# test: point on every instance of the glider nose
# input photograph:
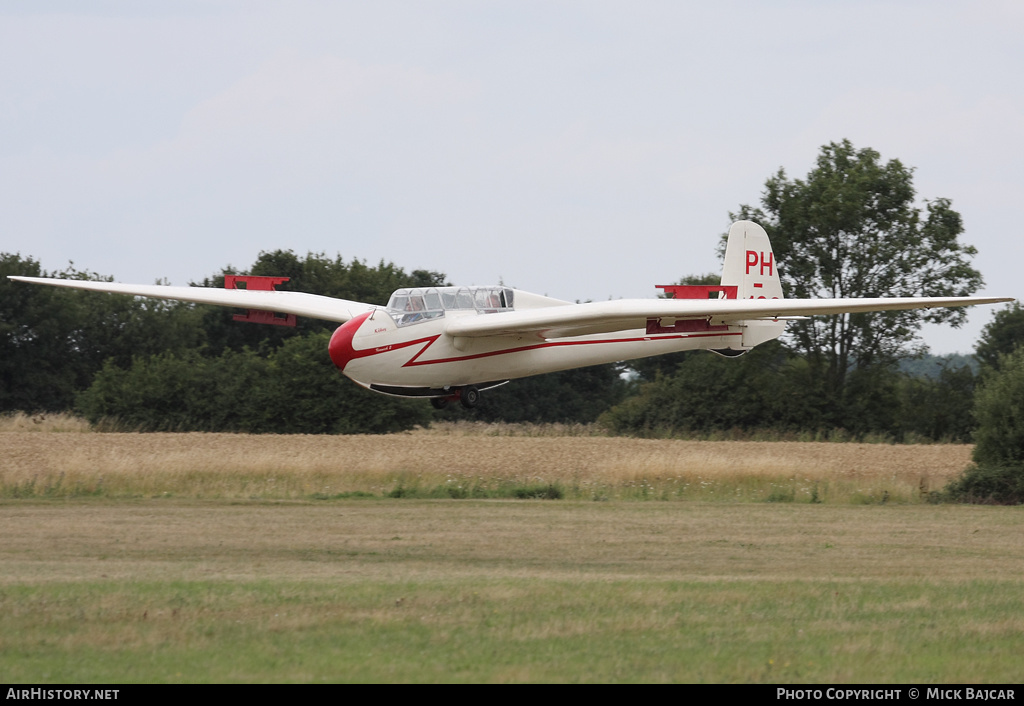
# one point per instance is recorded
(340, 347)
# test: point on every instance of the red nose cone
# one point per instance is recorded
(341, 348)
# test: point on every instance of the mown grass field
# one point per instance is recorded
(251, 569)
(504, 590)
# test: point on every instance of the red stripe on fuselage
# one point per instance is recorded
(340, 348)
(549, 344)
(342, 351)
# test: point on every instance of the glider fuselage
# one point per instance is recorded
(421, 359)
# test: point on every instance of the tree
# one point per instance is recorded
(851, 229)
(293, 390)
(763, 390)
(578, 396)
(938, 407)
(52, 341)
(997, 475)
(999, 408)
(1001, 336)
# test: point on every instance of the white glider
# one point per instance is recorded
(449, 343)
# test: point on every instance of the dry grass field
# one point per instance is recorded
(406, 558)
(464, 461)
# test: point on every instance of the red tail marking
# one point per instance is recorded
(751, 260)
(754, 257)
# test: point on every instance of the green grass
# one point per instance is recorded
(511, 630)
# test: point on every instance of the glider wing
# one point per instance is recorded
(298, 303)
(627, 314)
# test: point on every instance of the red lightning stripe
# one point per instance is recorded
(521, 349)
(342, 351)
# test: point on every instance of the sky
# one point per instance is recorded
(583, 150)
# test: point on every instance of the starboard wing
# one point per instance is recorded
(629, 314)
(298, 303)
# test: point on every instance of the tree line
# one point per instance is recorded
(155, 365)
(849, 229)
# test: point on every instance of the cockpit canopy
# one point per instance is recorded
(409, 306)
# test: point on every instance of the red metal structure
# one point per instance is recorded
(257, 283)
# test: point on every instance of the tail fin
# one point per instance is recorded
(750, 266)
(750, 263)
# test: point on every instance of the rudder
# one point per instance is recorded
(750, 263)
(750, 266)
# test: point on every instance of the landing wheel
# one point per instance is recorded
(469, 396)
(439, 402)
